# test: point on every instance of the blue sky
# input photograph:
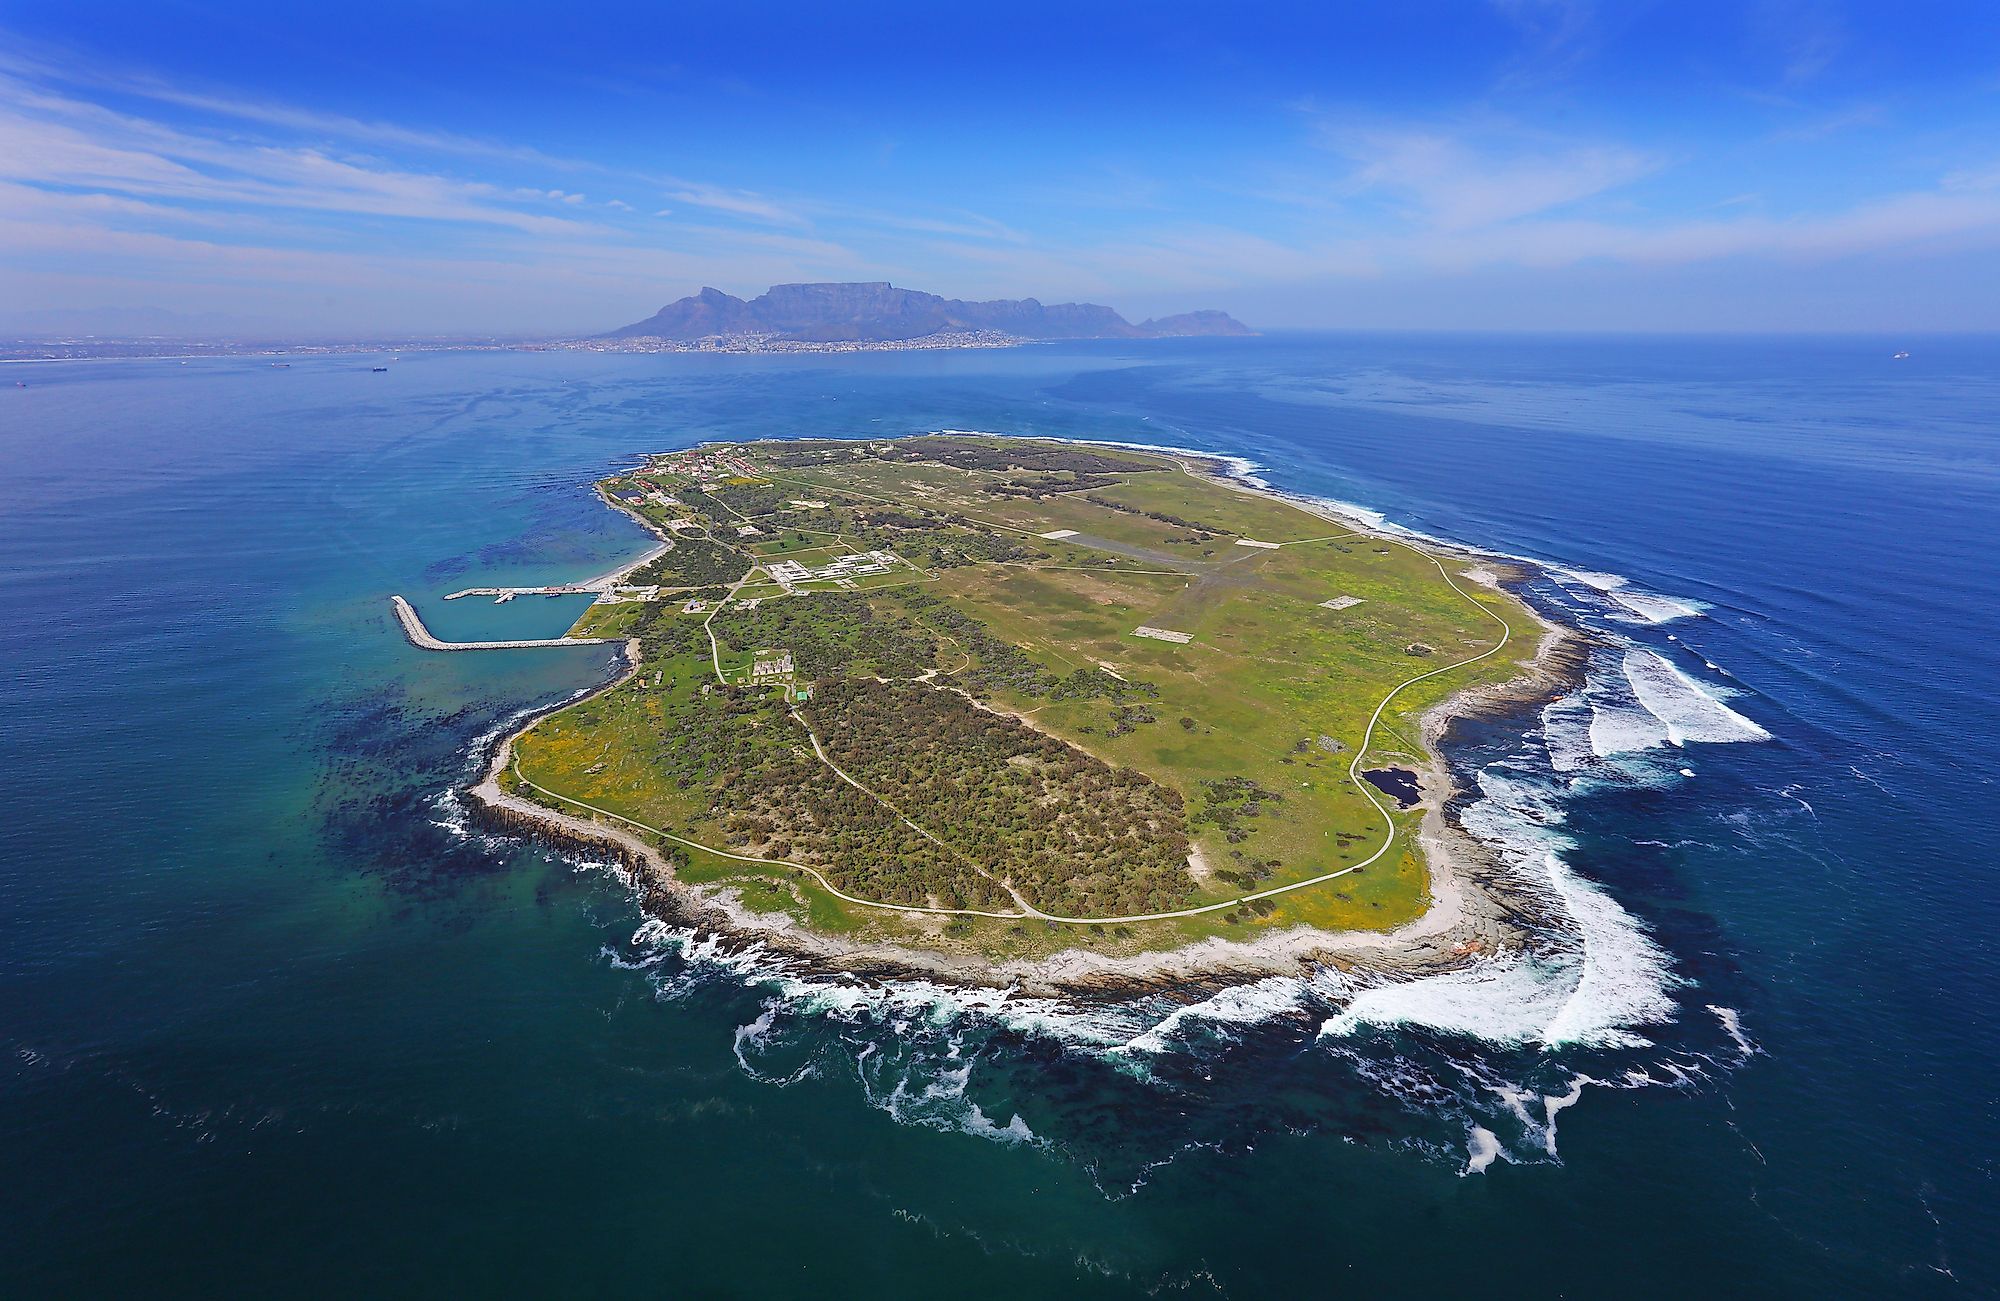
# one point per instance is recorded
(1510, 165)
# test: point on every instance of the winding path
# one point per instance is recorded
(1027, 909)
(1353, 774)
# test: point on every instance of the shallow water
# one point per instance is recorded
(273, 1018)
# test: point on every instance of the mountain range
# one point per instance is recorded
(877, 311)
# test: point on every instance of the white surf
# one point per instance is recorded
(1683, 707)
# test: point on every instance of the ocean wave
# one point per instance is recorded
(1636, 604)
(1617, 727)
(1625, 975)
(909, 1004)
(1732, 1025)
(1633, 711)
(1555, 1102)
(1593, 975)
(1253, 1004)
(1590, 991)
(1482, 1148)
(1566, 732)
(1682, 705)
(938, 1100)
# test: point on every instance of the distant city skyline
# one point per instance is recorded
(516, 170)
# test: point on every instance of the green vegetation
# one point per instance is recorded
(1073, 834)
(693, 562)
(980, 726)
(833, 636)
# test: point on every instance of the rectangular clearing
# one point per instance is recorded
(1163, 634)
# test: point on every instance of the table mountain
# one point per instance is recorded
(877, 311)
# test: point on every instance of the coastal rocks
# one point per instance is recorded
(571, 834)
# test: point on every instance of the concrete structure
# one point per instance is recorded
(790, 573)
(620, 595)
(420, 636)
(778, 665)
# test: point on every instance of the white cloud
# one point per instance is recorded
(1973, 178)
(1461, 180)
(735, 202)
(46, 140)
(73, 70)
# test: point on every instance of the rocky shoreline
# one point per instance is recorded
(1476, 909)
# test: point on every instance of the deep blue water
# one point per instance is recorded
(272, 1019)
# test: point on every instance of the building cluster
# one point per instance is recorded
(755, 343)
(707, 465)
(621, 593)
(789, 574)
(770, 666)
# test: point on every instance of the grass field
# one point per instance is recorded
(1253, 721)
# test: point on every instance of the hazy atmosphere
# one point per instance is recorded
(373, 169)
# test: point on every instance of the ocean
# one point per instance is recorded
(276, 1017)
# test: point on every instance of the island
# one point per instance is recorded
(1032, 713)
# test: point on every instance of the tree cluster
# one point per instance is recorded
(1072, 833)
(1228, 802)
(1202, 531)
(831, 635)
(1048, 485)
(693, 562)
(967, 454)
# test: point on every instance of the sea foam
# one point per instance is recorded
(1635, 604)
(1482, 1149)
(1688, 712)
(1587, 981)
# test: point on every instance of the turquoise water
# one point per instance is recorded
(275, 1019)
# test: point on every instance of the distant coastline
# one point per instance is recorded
(834, 317)
(20, 351)
(764, 343)
(91, 348)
